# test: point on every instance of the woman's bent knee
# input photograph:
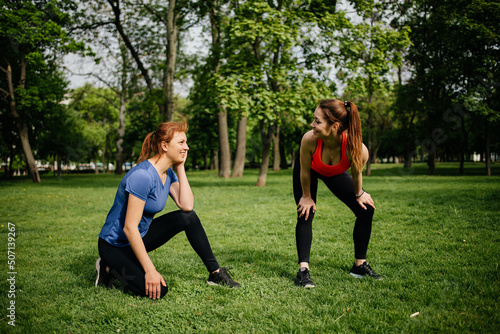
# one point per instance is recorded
(190, 217)
(365, 213)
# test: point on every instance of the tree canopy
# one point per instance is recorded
(424, 75)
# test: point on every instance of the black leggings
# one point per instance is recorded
(341, 186)
(126, 267)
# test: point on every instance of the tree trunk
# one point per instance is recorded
(293, 159)
(266, 152)
(463, 150)
(96, 170)
(11, 160)
(214, 164)
(115, 6)
(105, 157)
(431, 162)
(408, 157)
(283, 159)
(239, 159)
(206, 161)
(121, 112)
(121, 133)
(58, 160)
(487, 149)
(374, 155)
(225, 154)
(168, 83)
(461, 170)
(22, 127)
(276, 149)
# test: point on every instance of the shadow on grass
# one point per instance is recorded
(263, 263)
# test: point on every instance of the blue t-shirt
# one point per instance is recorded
(143, 182)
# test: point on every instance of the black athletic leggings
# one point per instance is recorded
(341, 186)
(126, 267)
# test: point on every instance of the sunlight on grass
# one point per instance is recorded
(435, 240)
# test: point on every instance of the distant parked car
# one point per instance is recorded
(128, 165)
(111, 167)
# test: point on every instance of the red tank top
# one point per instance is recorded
(327, 170)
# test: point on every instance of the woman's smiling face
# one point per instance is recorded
(178, 148)
(320, 125)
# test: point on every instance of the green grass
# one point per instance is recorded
(436, 240)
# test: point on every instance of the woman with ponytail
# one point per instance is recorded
(327, 151)
(130, 231)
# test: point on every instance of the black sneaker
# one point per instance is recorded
(222, 278)
(363, 270)
(103, 278)
(304, 278)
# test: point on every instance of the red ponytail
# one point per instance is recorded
(146, 147)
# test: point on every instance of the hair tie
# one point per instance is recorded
(345, 104)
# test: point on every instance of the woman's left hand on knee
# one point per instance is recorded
(365, 200)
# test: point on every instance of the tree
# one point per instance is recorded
(454, 53)
(407, 108)
(215, 62)
(116, 73)
(150, 30)
(123, 96)
(271, 36)
(368, 51)
(480, 50)
(62, 136)
(32, 36)
(99, 109)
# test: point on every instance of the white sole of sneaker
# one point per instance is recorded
(356, 275)
(212, 283)
(97, 269)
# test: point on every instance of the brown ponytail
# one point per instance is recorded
(346, 113)
(164, 132)
(354, 136)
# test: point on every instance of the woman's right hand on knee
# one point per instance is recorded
(154, 281)
(305, 205)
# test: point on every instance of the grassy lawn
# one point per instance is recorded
(436, 240)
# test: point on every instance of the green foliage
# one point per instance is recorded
(97, 111)
(370, 49)
(33, 38)
(142, 118)
(261, 73)
(453, 47)
(274, 61)
(436, 250)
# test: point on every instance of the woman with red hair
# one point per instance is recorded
(131, 231)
